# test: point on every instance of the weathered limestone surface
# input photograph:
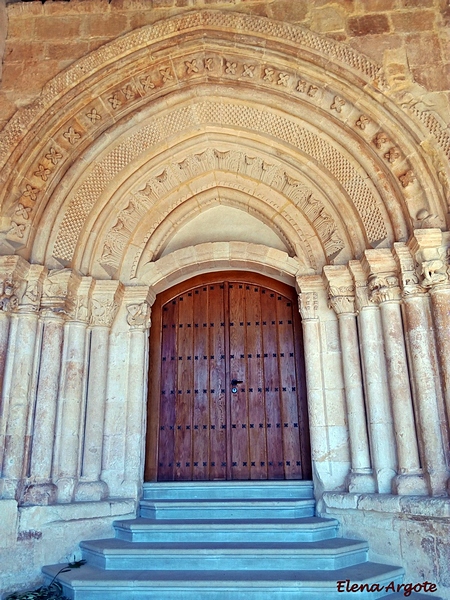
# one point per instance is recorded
(395, 525)
(34, 535)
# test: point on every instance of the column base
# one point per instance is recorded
(66, 487)
(361, 482)
(8, 488)
(410, 484)
(89, 491)
(385, 478)
(40, 494)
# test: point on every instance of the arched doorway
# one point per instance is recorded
(227, 397)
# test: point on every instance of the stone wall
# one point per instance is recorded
(409, 36)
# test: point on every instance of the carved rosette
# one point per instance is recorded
(308, 303)
(139, 316)
(342, 299)
(383, 288)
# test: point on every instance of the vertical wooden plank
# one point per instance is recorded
(288, 389)
(201, 422)
(272, 386)
(255, 384)
(302, 399)
(169, 382)
(240, 451)
(185, 391)
(154, 394)
(217, 392)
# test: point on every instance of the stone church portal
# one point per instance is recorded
(150, 151)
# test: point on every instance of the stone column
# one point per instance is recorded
(18, 389)
(431, 252)
(8, 302)
(72, 390)
(40, 488)
(315, 382)
(381, 431)
(385, 292)
(138, 320)
(440, 306)
(422, 352)
(341, 293)
(105, 301)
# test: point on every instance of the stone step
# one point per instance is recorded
(335, 553)
(227, 509)
(223, 490)
(307, 529)
(90, 583)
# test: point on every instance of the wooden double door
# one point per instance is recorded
(227, 397)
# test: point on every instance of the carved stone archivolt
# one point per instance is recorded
(137, 85)
(215, 160)
(333, 163)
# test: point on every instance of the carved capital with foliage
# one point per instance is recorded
(104, 303)
(383, 288)
(139, 315)
(431, 257)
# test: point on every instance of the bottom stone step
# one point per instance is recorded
(89, 583)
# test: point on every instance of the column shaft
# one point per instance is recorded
(17, 398)
(136, 414)
(440, 302)
(4, 337)
(71, 397)
(377, 394)
(41, 490)
(429, 427)
(90, 487)
(409, 479)
(361, 478)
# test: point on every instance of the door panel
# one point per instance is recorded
(206, 336)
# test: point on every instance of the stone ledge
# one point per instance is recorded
(418, 506)
(36, 517)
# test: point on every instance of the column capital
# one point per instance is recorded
(104, 302)
(78, 292)
(13, 270)
(430, 253)
(308, 298)
(382, 275)
(341, 289)
(55, 291)
(30, 300)
(409, 279)
(139, 300)
(359, 276)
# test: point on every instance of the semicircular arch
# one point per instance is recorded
(328, 117)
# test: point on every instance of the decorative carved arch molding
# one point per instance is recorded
(203, 258)
(320, 104)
